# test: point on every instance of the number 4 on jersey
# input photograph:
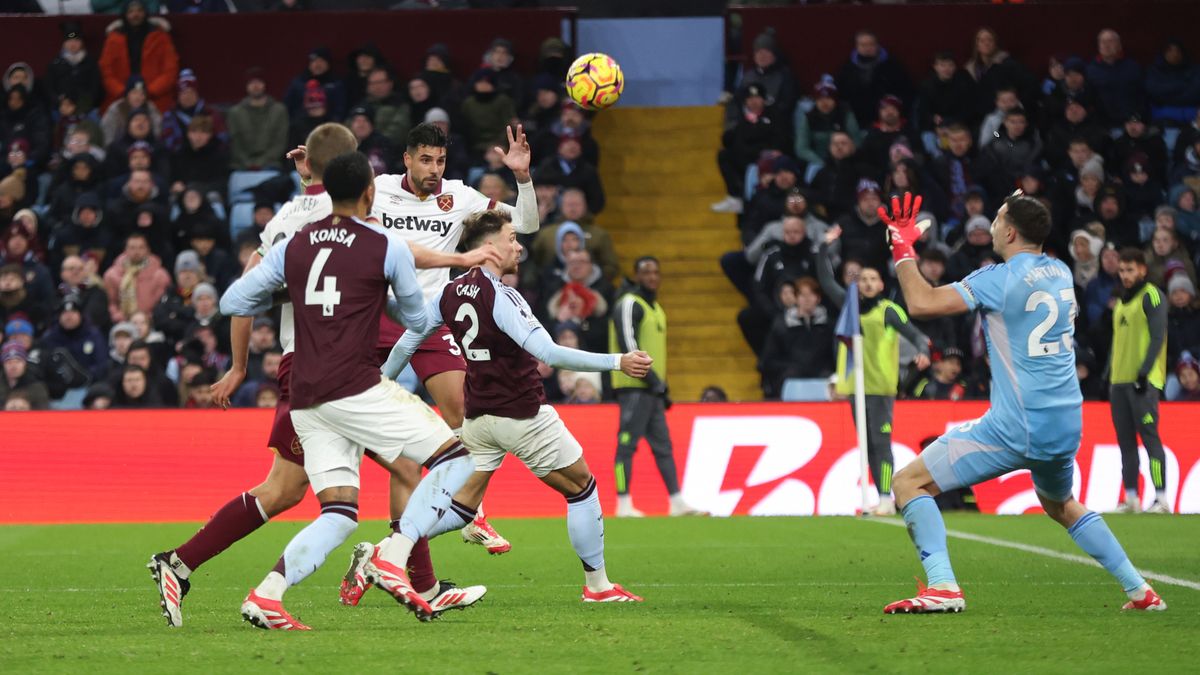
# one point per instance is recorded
(328, 296)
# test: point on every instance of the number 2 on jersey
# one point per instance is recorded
(1036, 347)
(328, 296)
(467, 311)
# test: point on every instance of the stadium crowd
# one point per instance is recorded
(131, 202)
(1111, 146)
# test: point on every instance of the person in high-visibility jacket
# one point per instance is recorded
(1137, 373)
(882, 322)
(638, 321)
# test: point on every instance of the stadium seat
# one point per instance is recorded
(1170, 137)
(751, 181)
(242, 182)
(812, 389)
(241, 218)
(811, 172)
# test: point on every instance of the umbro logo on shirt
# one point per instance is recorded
(415, 223)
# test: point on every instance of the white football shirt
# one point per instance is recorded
(310, 206)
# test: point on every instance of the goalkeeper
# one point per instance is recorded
(882, 322)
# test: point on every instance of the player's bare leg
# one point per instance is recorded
(1091, 533)
(283, 488)
(915, 489)
(447, 388)
(304, 554)
(449, 468)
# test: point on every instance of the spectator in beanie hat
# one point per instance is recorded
(188, 105)
(869, 74)
(133, 99)
(758, 132)
(20, 330)
(862, 235)
(18, 377)
(315, 112)
(1183, 318)
(1188, 372)
(889, 128)
(75, 71)
(768, 67)
(76, 335)
(814, 127)
(975, 247)
(320, 71)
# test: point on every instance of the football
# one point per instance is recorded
(594, 81)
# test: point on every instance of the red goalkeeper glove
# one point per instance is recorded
(903, 230)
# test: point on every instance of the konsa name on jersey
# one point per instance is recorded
(416, 223)
(339, 236)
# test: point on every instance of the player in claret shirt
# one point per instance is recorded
(506, 408)
(1036, 417)
(338, 273)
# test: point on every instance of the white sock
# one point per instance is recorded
(1138, 594)
(456, 518)
(307, 551)
(1131, 495)
(585, 527)
(180, 568)
(625, 501)
(396, 549)
(431, 593)
(272, 587)
(431, 500)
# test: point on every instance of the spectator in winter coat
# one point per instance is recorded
(739, 266)
(136, 280)
(814, 128)
(889, 129)
(1183, 319)
(570, 121)
(906, 175)
(869, 75)
(989, 129)
(23, 119)
(573, 209)
(359, 65)
(18, 248)
(1166, 258)
(579, 294)
(993, 69)
(1110, 211)
(74, 334)
(137, 45)
(942, 382)
(378, 149)
(1141, 192)
(863, 236)
(1173, 83)
(135, 392)
(93, 301)
(1015, 149)
(955, 171)
(972, 251)
(319, 68)
(138, 130)
(1085, 251)
(202, 163)
(1187, 211)
(1074, 85)
(220, 266)
(258, 128)
(84, 233)
(758, 131)
(393, 116)
(19, 379)
(188, 106)
(570, 170)
(486, 113)
(1077, 122)
(767, 68)
(768, 201)
(835, 186)
(81, 174)
(500, 58)
(1100, 295)
(782, 261)
(1188, 372)
(946, 95)
(75, 72)
(458, 156)
(800, 341)
(1140, 138)
(315, 113)
(1187, 167)
(1117, 78)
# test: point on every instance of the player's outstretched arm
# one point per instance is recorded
(428, 258)
(239, 341)
(254, 292)
(923, 300)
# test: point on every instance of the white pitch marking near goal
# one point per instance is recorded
(1049, 553)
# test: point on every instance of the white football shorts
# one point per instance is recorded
(543, 443)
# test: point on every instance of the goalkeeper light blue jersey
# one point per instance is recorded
(1028, 306)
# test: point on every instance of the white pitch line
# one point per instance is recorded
(1049, 553)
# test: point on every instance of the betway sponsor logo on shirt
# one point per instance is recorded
(416, 223)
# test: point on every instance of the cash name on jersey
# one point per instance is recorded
(441, 227)
(468, 289)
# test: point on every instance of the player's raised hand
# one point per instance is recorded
(636, 364)
(903, 230)
(299, 155)
(226, 387)
(518, 156)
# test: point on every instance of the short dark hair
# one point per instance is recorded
(138, 344)
(137, 235)
(1130, 254)
(348, 176)
(956, 128)
(480, 226)
(1018, 111)
(1029, 217)
(426, 134)
(646, 258)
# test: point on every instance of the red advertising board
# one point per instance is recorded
(759, 459)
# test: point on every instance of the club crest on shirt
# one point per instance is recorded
(445, 202)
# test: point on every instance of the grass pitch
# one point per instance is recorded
(722, 595)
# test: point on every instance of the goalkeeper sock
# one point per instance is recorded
(928, 532)
(1094, 537)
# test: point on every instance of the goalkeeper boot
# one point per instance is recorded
(451, 596)
(614, 594)
(268, 614)
(480, 531)
(929, 600)
(1150, 602)
(355, 583)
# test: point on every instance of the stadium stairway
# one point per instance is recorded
(660, 174)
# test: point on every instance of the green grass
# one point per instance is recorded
(723, 595)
